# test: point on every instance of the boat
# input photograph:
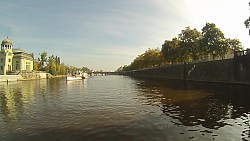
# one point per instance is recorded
(77, 76)
(74, 78)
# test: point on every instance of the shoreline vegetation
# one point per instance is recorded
(191, 46)
(56, 76)
(53, 65)
(49, 77)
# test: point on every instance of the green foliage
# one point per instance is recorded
(150, 58)
(85, 69)
(36, 65)
(171, 50)
(72, 69)
(53, 65)
(63, 69)
(234, 44)
(190, 46)
(42, 60)
(212, 41)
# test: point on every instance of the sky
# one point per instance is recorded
(107, 34)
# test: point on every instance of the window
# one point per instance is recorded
(1, 67)
(17, 65)
(1, 60)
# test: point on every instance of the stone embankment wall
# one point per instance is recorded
(6, 78)
(30, 75)
(236, 70)
(25, 76)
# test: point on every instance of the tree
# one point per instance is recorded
(170, 50)
(36, 65)
(85, 69)
(52, 66)
(122, 68)
(63, 69)
(58, 64)
(212, 41)
(189, 44)
(72, 69)
(230, 45)
(150, 58)
(234, 44)
(42, 60)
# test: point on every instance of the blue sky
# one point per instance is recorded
(107, 34)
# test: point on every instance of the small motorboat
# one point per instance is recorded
(77, 76)
(68, 78)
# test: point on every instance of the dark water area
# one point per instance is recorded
(121, 108)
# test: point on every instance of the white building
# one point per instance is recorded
(14, 60)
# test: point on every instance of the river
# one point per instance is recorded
(121, 108)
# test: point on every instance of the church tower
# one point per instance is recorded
(7, 56)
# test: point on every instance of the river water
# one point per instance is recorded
(121, 108)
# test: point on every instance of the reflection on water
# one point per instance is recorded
(212, 106)
(15, 99)
(123, 108)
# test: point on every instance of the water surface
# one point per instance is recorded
(121, 108)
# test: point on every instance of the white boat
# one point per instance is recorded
(68, 78)
(77, 76)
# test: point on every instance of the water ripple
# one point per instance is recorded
(122, 108)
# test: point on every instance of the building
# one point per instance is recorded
(14, 60)
(228, 55)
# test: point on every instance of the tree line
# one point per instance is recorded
(191, 45)
(53, 65)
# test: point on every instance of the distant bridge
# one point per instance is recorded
(105, 73)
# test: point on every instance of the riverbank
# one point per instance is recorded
(231, 71)
(7, 78)
(28, 76)
(49, 76)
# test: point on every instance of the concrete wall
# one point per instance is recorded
(24, 76)
(10, 77)
(242, 68)
(235, 70)
(43, 75)
(172, 72)
(34, 75)
(220, 70)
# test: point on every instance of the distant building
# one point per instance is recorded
(14, 60)
(228, 55)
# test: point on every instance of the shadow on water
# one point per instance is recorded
(199, 103)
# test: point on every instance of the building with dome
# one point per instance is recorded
(14, 60)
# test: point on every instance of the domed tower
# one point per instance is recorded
(6, 56)
(6, 45)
